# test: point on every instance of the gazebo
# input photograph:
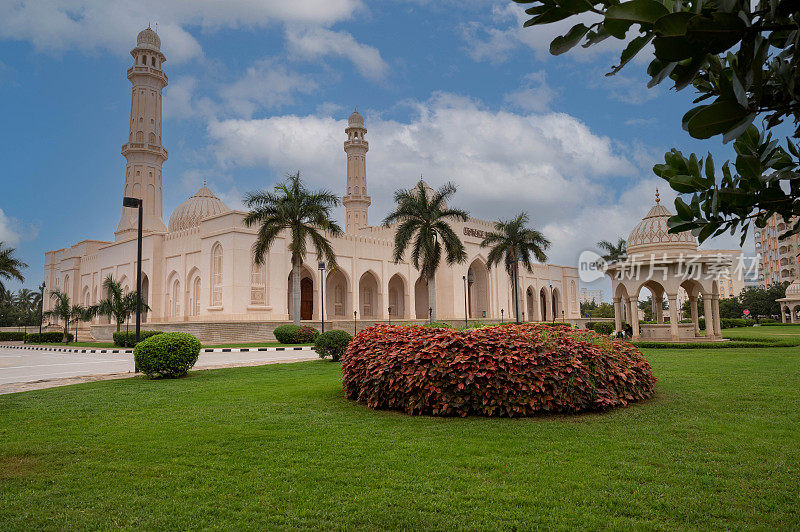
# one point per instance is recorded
(663, 263)
(791, 303)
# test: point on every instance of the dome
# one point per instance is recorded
(793, 290)
(147, 38)
(356, 119)
(652, 234)
(193, 210)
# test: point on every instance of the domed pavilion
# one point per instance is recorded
(791, 303)
(663, 263)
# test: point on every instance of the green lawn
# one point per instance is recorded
(777, 332)
(277, 446)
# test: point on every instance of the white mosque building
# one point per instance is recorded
(198, 274)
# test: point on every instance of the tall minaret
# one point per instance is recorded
(144, 151)
(356, 201)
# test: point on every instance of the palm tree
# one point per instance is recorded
(513, 242)
(113, 305)
(61, 310)
(129, 304)
(10, 267)
(80, 313)
(613, 252)
(26, 301)
(304, 214)
(425, 220)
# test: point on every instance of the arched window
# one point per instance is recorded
(196, 297)
(152, 138)
(216, 275)
(140, 136)
(153, 60)
(258, 282)
(176, 299)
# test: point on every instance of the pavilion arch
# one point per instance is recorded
(194, 287)
(306, 293)
(398, 296)
(369, 296)
(338, 295)
(556, 308)
(421, 301)
(657, 292)
(544, 305)
(478, 289)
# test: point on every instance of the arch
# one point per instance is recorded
(306, 294)
(258, 283)
(152, 138)
(478, 289)
(66, 285)
(216, 275)
(543, 304)
(140, 136)
(657, 292)
(530, 303)
(338, 297)
(369, 296)
(193, 285)
(421, 301)
(556, 308)
(397, 296)
(85, 295)
(172, 304)
(145, 295)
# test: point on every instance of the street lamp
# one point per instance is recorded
(137, 204)
(321, 265)
(390, 315)
(466, 323)
(355, 323)
(41, 310)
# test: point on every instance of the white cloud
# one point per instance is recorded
(316, 42)
(13, 231)
(266, 85)
(550, 164)
(535, 96)
(61, 25)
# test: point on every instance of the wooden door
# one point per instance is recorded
(306, 299)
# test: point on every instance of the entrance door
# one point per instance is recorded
(306, 299)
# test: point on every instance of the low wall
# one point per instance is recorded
(238, 332)
(662, 331)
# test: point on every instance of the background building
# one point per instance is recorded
(778, 257)
(588, 295)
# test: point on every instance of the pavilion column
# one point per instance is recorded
(617, 314)
(709, 317)
(783, 314)
(791, 314)
(633, 316)
(717, 324)
(658, 308)
(695, 319)
(673, 316)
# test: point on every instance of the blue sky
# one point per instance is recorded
(450, 90)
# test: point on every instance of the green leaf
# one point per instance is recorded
(554, 14)
(616, 28)
(658, 70)
(673, 48)
(565, 43)
(719, 117)
(575, 6)
(630, 52)
(673, 24)
(710, 168)
(715, 33)
(637, 11)
(749, 166)
(739, 128)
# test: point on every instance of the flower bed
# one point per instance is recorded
(508, 370)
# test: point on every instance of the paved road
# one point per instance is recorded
(20, 366)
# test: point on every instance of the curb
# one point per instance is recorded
(76, 350)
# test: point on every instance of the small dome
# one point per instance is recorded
(148, 39)
(652, 234)
(193, 210)
(793, 290)
(356, 119)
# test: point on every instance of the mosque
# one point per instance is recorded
(198, 274)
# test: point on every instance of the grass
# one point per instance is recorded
(278, 446)
(780, 332)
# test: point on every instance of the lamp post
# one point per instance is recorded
(355, 324)
(430, 314)
(321, 265)
(41, 309)
(390, 315)
(137, 203)
(466, 323)
(502, 311)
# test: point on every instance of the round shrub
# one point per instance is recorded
(168, 355)
(295, 334)
(332, 344)
(600, 327)
(508, 370)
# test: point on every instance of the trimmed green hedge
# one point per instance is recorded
(12, 336)
(750, 343)
(47, 338)
(128, 339)
(601, 327)
(295, 334)
(167, 355)
(332, 344)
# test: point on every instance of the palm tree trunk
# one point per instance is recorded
(432, 296)
(66, 331)
(296, 291)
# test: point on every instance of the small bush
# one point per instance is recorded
(167, 355)
(12, 336)
(600, 327)
(332, 344)
(128, 339)
(437, 325)
(769, 321)
(47, 338)
(295, 334)
(508, 370)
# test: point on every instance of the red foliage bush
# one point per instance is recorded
(509, 370)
